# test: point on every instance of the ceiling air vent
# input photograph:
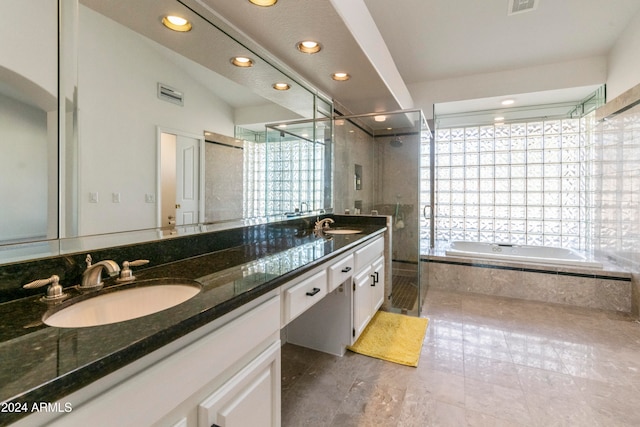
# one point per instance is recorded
(521, 6)
(169, 94)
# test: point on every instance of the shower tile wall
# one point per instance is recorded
(352, 146)
(614, 190)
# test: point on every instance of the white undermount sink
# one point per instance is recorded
(124, 304)
(342, 231)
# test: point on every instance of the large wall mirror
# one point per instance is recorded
(29, 121)
(128, 82)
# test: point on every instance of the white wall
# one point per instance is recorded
(28, 119)
(584, 72)
(620, 70)
(29, 41)
(118, 114)
(624, 60)
(23, 187)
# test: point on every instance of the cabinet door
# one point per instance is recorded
(378, 285)
(250, 398)
(362, 291)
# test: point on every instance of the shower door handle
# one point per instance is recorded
(424, 212)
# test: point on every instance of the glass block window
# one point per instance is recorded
(280, 176)
(516, 183)
(255, 179)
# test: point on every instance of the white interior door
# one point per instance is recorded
(180, 180)
(187, 180)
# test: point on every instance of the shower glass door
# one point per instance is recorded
(377, 169)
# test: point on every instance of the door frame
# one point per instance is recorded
(201, 170)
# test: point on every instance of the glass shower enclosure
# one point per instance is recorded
(377, 171)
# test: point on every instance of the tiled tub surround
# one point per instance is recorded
(608, 288)
(44, 364)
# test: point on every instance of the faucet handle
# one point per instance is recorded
(136, 263)
(126, 275)
(54, 291)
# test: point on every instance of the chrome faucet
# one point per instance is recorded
(92, 276)
(322, 224)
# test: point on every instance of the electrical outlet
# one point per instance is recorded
(93, 197)
(149, 198)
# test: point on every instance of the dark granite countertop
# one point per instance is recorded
(43, 364)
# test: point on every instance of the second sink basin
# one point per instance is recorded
(342, 231)
(124, 304)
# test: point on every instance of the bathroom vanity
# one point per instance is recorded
(212, 360)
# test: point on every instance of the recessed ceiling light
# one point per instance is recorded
(340, 76)
(309, 46)
(242, 61)
(498, 119)
(508, 102)
(379, 118)
(282, 126)
(264, 3)
(281, 86)
(176, 23)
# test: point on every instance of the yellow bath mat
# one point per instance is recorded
(392, 337)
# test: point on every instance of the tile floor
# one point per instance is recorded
(486, 361)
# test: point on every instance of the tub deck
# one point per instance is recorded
(606, 287)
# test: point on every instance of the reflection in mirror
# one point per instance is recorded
(122, 59)
(28, 123)
(181, 195)
(288, 168)
(224, 180)
(114, 55)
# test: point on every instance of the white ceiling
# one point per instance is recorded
(427, 40)
(437, 39)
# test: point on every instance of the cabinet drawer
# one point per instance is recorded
(366, 255)
(300, 297)
(339, 272)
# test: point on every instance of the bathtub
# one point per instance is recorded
(521, 253)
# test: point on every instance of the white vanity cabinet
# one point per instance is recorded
(340, 271)
(368, 285)
(227, 373)
(336, 321)
(299, 297)
(326, 324)
(229, 376)
(378, 283)
(250, 398)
